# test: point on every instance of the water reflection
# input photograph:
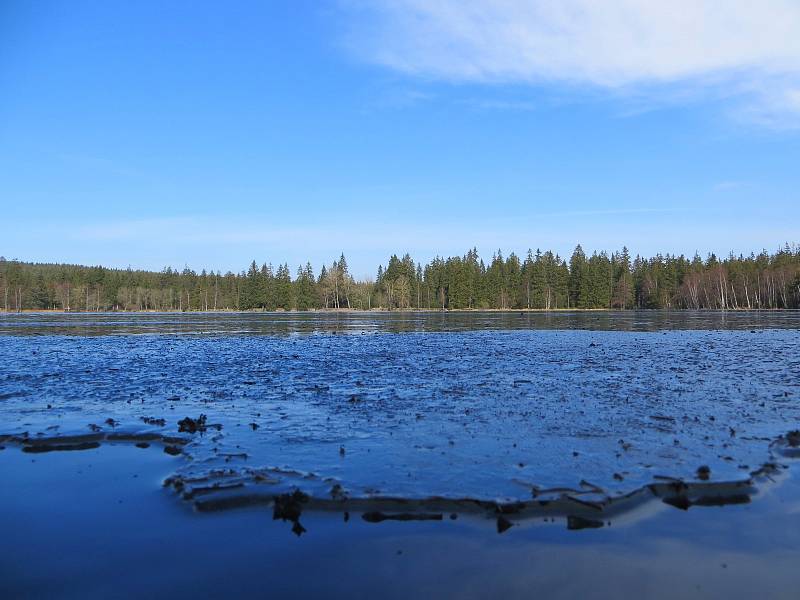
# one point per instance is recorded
(282, 323)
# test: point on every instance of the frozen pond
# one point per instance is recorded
(487, 406)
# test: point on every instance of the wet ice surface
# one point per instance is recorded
(486, 406)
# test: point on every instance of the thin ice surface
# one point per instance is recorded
(482, 413)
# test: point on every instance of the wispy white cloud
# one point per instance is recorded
(505, 105)
(741, 50)
(226, 242)
(231, 231)
(208, 230)
(99, 164)
(724, 186)
(394, 97)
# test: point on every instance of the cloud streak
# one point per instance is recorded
(223, 243)
(740, 49)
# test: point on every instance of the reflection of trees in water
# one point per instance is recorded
(398, 321)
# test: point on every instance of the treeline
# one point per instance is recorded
(540, 280)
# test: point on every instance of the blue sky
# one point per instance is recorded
(209, 134)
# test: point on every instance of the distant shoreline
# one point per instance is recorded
(386, 311)
(537, 282)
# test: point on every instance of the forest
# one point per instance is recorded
(540, 280)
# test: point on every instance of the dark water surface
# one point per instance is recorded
(392, 322)
(96, 524)
(565, 416)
